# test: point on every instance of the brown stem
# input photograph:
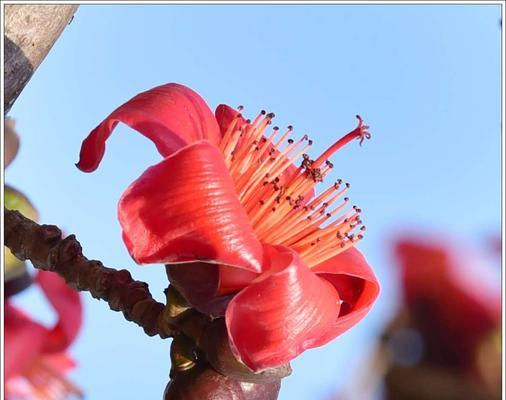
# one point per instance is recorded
(45, 248)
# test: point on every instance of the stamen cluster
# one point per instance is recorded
(275, 193)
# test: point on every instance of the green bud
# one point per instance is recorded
(15, 200)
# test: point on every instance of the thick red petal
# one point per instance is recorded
(186, 209)
(171, 115)
(67, 304)
(282, 313)
(24, 339)
(234, 279)
(356, 284)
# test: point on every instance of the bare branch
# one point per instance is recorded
(45, 248)
(30, 32)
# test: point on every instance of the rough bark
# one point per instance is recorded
(30, 32)
(45, 248)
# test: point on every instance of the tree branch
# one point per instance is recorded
(30, 32)
(44, 247)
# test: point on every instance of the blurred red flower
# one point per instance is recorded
(449, 300)
(35, 358)
(238, 224)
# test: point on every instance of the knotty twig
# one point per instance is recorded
(44, 247)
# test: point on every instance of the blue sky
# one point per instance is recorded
(425, 78)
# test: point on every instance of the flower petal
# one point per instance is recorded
(171, 115)
(60, 362)
(234, 279)
(67, 304)
(440, 271)
(224, 115)
(282, 313)
(449, 298)
(356, 284)
(186, 209)
(24, 339)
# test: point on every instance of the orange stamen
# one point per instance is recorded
(275, 199)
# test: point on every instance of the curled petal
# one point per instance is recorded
(24, 339)
(67, 304)
(171, 115)
(356, 284)
(185, 209)
(280, 314)
(234, 279)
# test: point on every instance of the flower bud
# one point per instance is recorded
(15, 200)
(204, 383)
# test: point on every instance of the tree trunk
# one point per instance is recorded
(30, 32)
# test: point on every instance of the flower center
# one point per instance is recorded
(275, 193)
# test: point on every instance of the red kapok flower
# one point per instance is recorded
(227, 193)
(35, 359)
(449, 301)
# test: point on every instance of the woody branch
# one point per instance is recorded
(44, 246)
(30, 32)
